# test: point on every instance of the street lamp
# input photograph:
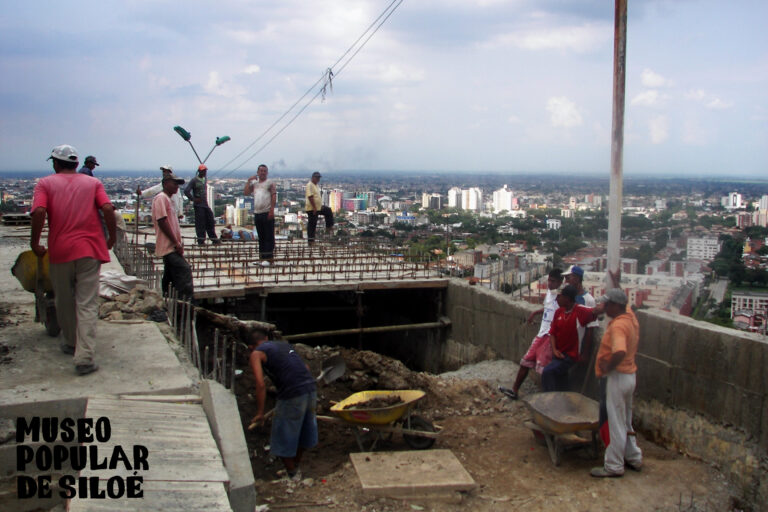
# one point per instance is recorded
(184, 134)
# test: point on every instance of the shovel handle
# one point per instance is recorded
(254, 424)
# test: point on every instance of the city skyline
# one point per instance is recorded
(485, 86)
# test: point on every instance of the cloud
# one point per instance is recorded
(252, 69)
(653, 80)
(648, 98)
(580, 39)
(218, 87)
(694, 133)
(563, 112)
(709, 101)
(658, 129)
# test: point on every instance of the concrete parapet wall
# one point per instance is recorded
(701, 388)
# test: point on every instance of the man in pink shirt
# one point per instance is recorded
(168, 243)
(71, 201)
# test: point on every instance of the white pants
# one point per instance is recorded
(76, 289)
(623, 444)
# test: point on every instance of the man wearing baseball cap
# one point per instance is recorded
(615, 367)
(71, 202)
(575, 276)
(197, 192)
(176, 199)
(314, 208)
(89, 165)
(168, 242)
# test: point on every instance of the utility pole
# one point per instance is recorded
(617, 138)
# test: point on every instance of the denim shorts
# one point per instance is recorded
(294, 425)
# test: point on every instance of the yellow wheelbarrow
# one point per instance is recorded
(417, 432)
(32, 273)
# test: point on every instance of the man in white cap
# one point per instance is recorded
(71, 201)
(615, 367)
(176, 199)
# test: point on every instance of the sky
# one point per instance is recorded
(517, 86)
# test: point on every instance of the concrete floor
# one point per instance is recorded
(133, 358)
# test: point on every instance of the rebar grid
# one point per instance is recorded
(237, 263)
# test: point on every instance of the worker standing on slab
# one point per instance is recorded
(71, 201)
(264, 193)
(294, 426)
(314, 207)
(88, 166)
(616, 369)
(197, 192)
(168, 242)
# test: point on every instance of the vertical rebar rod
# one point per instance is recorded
(215, 354)
(232, 363)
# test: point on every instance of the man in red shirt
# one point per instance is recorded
(71, 201)
(564, 338)
(168, 243)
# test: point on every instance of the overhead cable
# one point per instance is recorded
(325, 78)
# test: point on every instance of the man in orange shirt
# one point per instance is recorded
(616, 369)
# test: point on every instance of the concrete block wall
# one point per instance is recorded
(701, 388)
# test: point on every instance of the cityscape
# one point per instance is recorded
(697, 248)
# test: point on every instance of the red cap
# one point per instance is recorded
(202, 168)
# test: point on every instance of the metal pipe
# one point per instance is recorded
(368, 330)
(617, 138)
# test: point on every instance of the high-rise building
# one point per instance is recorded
(454, 197)
(472, 199)
(732, 201)
(703, 248)
(763, 203)
(503, 200)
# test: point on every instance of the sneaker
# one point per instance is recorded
(509, 392)
(634, 467)
(600, 472)
(67, 349)
(265, 263)
(295, 476)
(85, 369)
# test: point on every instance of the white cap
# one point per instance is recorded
(166, 168)
(64, 152)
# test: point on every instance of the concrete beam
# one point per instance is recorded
(224, 418)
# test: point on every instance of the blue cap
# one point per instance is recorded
(575, 269)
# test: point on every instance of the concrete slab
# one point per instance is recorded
(133, 358)
(411, 473)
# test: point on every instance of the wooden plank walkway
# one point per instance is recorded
(186, 471)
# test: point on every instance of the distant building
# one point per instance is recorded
(503, 200)
(703, 248)
(553, 224)
(732, 201)
(454, 197)
(744, 220)
(763, 203)
(431, 201)
(661, 204)
(566, 214)
(750, 309)
(472, 199)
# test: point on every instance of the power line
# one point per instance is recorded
(326, 78)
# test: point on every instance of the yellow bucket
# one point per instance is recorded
(25, 270)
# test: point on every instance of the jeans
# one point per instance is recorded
(265, 228)
(312, 221)
(204, 223)
(555, 375)
(178, 273)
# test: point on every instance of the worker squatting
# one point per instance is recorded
(82, 455)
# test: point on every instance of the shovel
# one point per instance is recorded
(333, 368)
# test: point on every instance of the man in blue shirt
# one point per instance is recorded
(294, 427)
(89, 165)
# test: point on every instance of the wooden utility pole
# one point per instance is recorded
(617, 138)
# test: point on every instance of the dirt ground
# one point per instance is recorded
(485, 431)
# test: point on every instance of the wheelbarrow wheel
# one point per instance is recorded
(415, 441)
